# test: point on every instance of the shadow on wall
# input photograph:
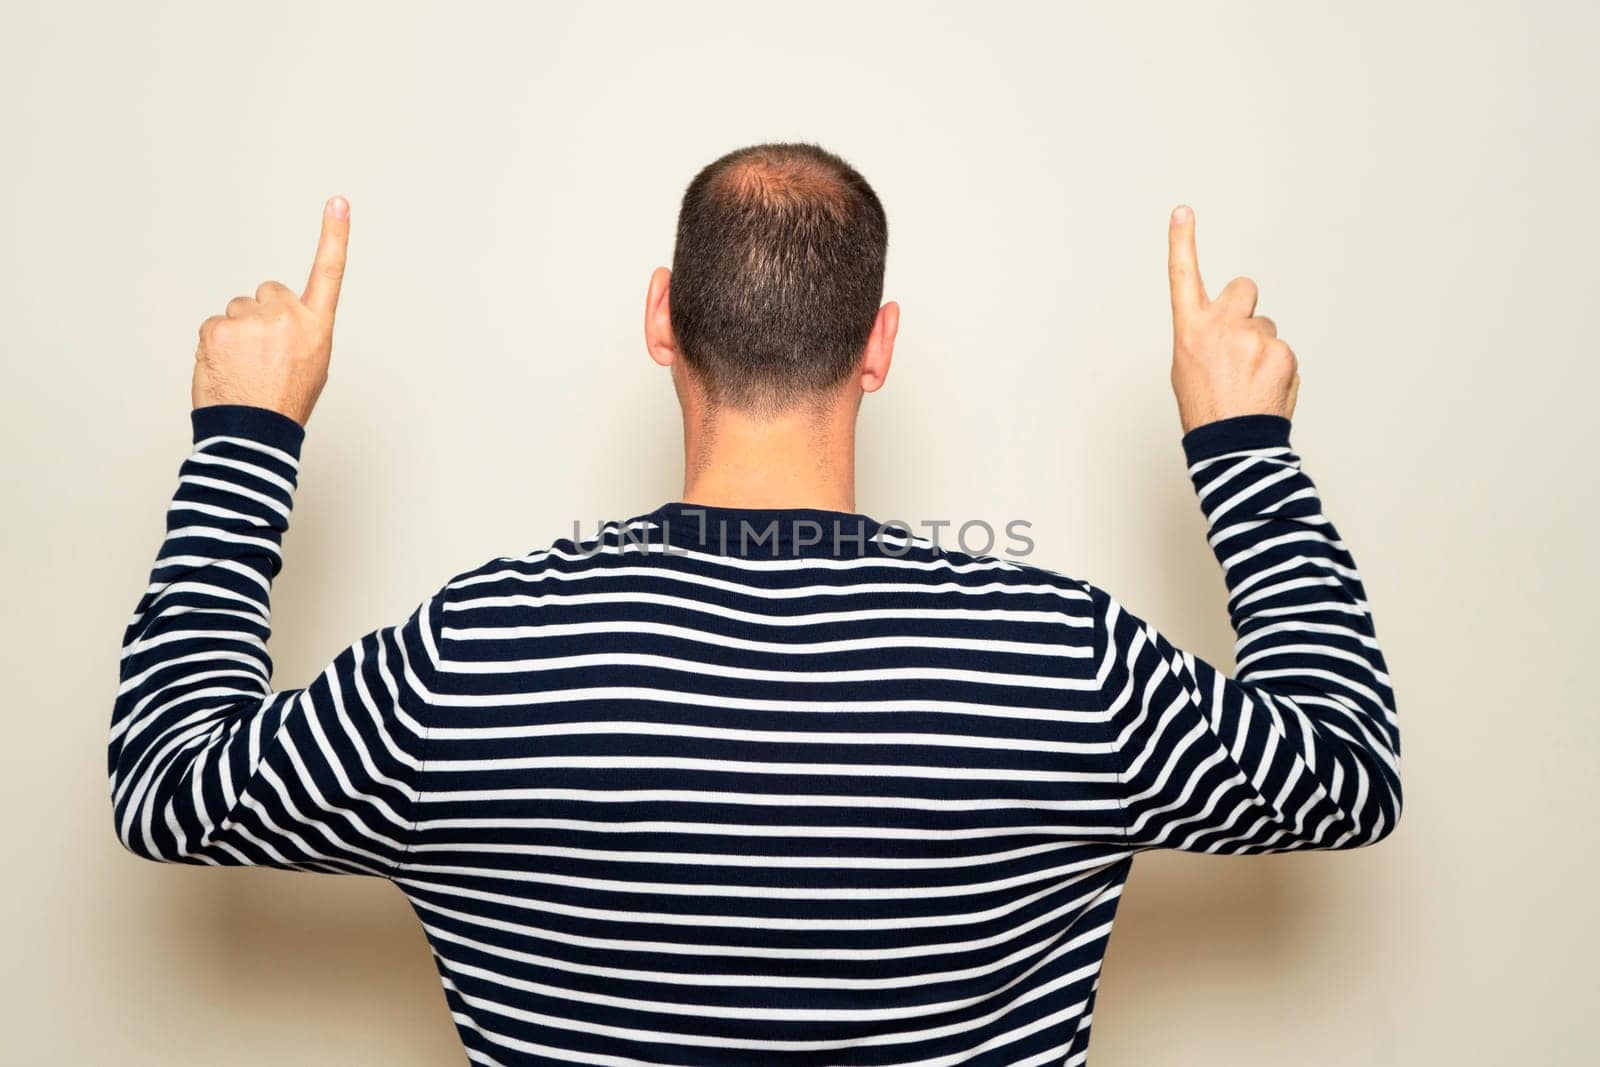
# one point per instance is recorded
(1182, 914)
(338, 963)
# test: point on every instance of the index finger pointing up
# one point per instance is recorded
(327, 270)
(1183, 266)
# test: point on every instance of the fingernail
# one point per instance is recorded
(339, 207)
(1180, 214)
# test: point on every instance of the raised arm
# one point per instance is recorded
(208, 764)
(1300, 748)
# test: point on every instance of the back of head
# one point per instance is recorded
(777, 275)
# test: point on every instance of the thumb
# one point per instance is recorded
(327, 270)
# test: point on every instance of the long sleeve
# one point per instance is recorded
(208, 764)
(1300, 749)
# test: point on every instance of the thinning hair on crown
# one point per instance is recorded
(777, 274)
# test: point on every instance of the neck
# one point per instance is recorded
(796, 459)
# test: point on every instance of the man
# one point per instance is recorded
(751, 777)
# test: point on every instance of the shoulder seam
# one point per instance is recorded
(1102, 650)
(431, 676)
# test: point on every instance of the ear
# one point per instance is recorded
(658, 338)
(879, 352)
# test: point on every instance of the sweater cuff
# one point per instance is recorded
(1235, 434)
(262, 425)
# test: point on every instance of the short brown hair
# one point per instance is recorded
(777, 274)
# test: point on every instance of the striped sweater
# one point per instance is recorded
(663, 796)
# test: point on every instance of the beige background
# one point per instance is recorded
(1414, 187)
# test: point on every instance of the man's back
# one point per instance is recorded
(697, 801)
(728, 786)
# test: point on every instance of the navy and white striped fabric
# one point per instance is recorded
(660, 799)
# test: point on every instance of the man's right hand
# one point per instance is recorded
(1226, 359)
(272, 351)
